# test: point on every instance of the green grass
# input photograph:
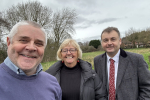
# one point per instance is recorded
(90, 56)
(46, 65)
(143, 51)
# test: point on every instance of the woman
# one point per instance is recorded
(75, 76)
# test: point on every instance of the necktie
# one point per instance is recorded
(112, 80)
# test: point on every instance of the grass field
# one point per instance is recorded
(90, 56)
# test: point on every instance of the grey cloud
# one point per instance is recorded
(88, 39)
(81, 19)
(83, 23)
(87, 23)
(82, 26)
(124, 14)
(107, 20)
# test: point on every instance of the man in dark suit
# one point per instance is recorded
(126, 75)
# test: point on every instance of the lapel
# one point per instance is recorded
(103, 63)
(123, 62)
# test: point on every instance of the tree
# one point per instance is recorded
(32, 11)
(62, 25)
(84, 46)
(95, 43)
(144, 37)
(61, 29)
(50, 53)
(132, 36)
(3, 25)
(140, 38)
(3, 53)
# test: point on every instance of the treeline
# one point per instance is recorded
(90, 46)
(136, 38)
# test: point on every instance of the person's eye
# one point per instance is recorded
(72, 50)
(64, 50)
(39, 44)
(23, 41)
(113, 39)
(105, 40)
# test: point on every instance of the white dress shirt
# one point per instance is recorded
(116, 59)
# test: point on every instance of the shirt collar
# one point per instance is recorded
(17, 70)
(115, 58)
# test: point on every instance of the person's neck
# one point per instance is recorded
(29, 73)
(70, 65)
(111, 55)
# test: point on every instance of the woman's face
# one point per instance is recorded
(69, 56)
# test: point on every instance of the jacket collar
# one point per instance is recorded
(55, 68)
(123, 53)
(86, 69)
(85, 66)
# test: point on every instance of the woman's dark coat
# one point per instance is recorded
(91, 87)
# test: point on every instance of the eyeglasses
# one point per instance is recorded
(65, 51)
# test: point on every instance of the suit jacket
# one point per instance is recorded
(133, 77)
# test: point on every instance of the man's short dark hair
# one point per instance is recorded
(109, 29)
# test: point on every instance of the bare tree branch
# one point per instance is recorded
(33, 11)
(62, 25)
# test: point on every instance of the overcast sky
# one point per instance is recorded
(96, 15)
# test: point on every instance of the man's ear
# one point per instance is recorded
(8, 41)
(120, 41)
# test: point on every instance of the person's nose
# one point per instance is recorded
(31, 47)
(68, 52)
(109, 42)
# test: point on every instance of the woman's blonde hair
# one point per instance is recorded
(72, 43)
